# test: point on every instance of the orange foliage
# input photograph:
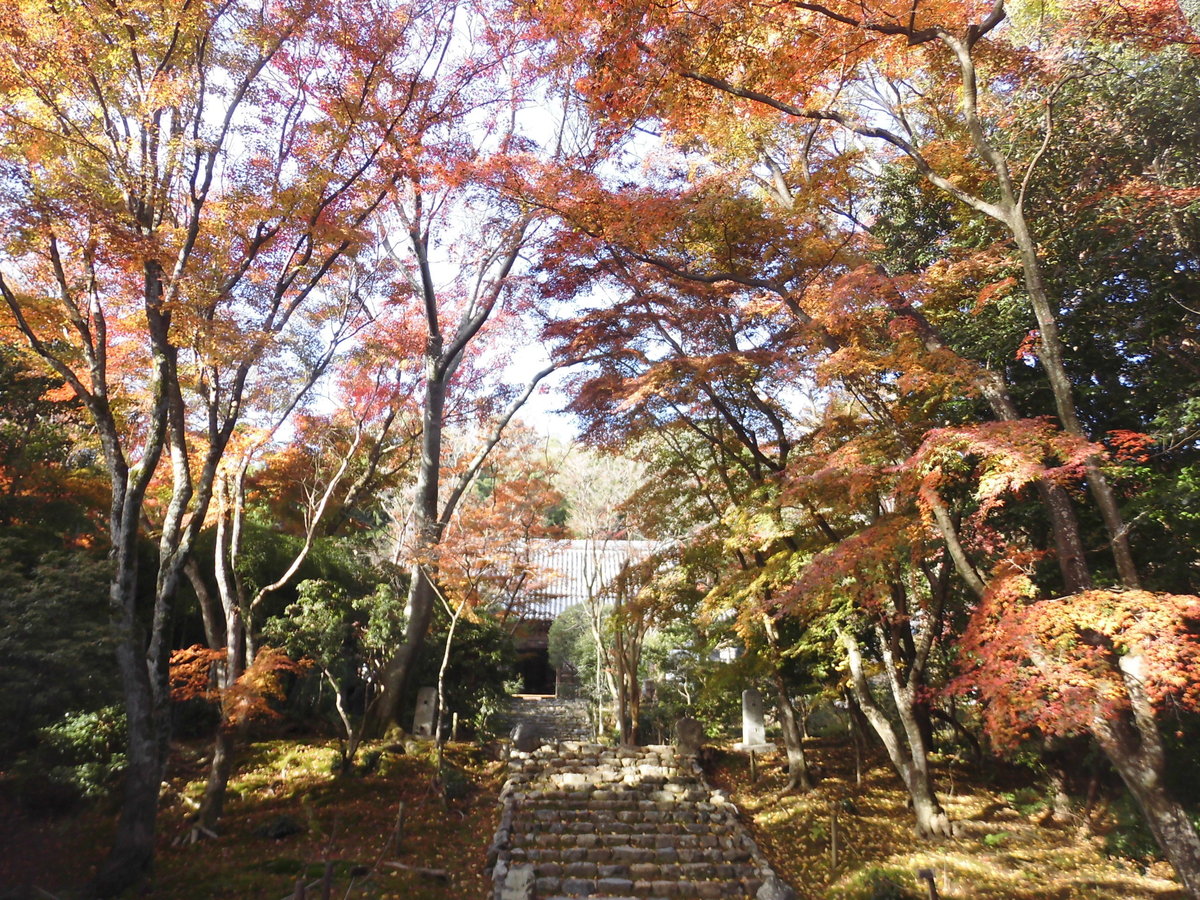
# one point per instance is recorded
(193, 678)
(1051, 666)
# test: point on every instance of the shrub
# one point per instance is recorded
(81, 756)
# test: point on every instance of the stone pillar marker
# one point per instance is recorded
(754, 730)
(423, 715)
(689, 735)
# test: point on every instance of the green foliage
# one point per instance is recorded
(80, 756)
(1026, 801)
(690, 682)
(1130, 837)
(481, 657)
(915, 223)
(55, 650)
(571, 642)
(349, 638)
(266, 552)
(1165, 501)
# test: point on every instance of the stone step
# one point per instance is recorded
(582, 820)
(656, 854)
(637, 823)
(720, 835)
(549, 719)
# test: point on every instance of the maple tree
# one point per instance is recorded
(356, 436)
(767, 94)
(1109, 664)
(180, 181)
(468, 290)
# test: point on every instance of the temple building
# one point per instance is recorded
(563, 574)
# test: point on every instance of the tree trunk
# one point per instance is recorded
(145, 709)
(421, 596)
(1167, 819)
(419, 609)
(600, 672)
(793, 738)
(1010, 211)
(633, 708)
(1064, 397)
(911, 762)
(220, 766)
(132, 851)
(210, 610)
(932, 820)
(627, 651)
(624, 735)
(441, 682)
(1133, 743)
(793, 725)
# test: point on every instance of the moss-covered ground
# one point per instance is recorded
(1004, 850)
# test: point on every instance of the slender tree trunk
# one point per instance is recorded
(793, 728)
(421, 594)
(910, 759)
(635, 706)
(793, 738)
(931, 818)
(220, 767)
(625, 657)
(441, 679)
(236, 650)
(599, 683)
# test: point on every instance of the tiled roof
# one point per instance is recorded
(571, 572)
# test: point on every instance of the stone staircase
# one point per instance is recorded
(585, 820)
(544, 719)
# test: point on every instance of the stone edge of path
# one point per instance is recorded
(519, 879)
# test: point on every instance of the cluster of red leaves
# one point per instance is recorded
(191, 673)
(1051, 666)
(192, 677)
(1027, 350)
(1004, 456)
(860, 567)
(1130, 446)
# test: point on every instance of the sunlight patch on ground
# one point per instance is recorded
(1002, 853)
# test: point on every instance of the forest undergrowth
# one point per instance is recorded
(288, 816)
(1003, 847)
